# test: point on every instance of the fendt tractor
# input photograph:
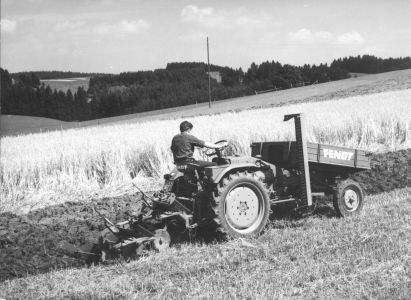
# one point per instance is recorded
(237, 194)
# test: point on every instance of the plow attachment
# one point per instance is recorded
(151, 228)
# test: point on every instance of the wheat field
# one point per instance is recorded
(80, 164)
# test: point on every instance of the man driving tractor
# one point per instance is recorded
(183, 145)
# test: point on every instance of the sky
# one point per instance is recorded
(114, 36)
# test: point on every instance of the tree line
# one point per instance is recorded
(371, 64)
(187, 83)
(42, 75)
(176, 85)
(26, 96)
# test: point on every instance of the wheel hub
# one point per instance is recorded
(242, 207)
(351, 200)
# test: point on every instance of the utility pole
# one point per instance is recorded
(209, 77)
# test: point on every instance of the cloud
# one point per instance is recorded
(8, 26)
(222, 19)
(350, 38)
(306, 35)
(124, 26)
(192, 13)
(301, 35)
(68, 25)
(196, 36)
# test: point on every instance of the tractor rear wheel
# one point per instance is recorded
(242, 206)
(348, 198)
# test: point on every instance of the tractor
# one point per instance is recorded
(235, 194)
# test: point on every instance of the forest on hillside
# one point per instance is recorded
(44, 75)
(26, 96)
(178, 84)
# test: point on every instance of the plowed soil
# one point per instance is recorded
(45, 239)
(389, 171)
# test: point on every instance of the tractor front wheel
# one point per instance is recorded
(348, 198)
(242, 205)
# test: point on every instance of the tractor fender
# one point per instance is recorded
(174, 174)
(171, 178)
(216, 173)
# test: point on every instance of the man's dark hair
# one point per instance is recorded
(184, 126)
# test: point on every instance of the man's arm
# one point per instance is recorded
(212, 146)
(200, 143)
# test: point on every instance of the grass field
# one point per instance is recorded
(319, 257)
(67, 84)
(11, 124)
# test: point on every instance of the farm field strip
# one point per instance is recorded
(103, 160)
(67, 83)
(74, 79)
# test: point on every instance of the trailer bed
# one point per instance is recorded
(320, 156)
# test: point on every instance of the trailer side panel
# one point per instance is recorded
(284, 154)
(341, 156)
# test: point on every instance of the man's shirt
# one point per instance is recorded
(183, 145)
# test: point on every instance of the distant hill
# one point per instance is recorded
(366, 84)
(179, 84)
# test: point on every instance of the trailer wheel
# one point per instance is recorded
(348, 198)
(242, 206)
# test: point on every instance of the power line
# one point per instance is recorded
(209, 76)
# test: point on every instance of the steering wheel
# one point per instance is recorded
(217, 152)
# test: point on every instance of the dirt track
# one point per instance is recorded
(40, 241)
